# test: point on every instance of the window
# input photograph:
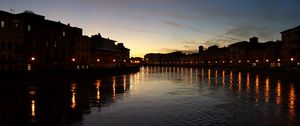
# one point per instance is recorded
(3, 45)
(29, 67)
(54, 43)
(28, 27)
(2, 24)
(64, 33)
(9, 46)
(2, 57)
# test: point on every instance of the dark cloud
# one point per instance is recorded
(245, 31)
(186, 47)
(169, 50)
(219, 42)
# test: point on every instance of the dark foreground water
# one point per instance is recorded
(154, 96)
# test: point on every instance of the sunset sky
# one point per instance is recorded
(162, 26)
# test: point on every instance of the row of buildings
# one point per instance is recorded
(29, 42)
(252, 53)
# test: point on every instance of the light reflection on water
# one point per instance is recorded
(73, 100)
(158, 96)
(32, 95)
(292, 98)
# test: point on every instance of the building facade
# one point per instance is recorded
(29, 42)
(291, 45)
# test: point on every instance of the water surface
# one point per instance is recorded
(154, 96)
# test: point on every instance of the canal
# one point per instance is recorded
(154, 96)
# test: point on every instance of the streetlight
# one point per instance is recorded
(278, 60)
(98, 60)
(73, 59)
(32, 58)
(240, 61)
(267, 60)
(292, 59)
(114, 60)
(256, 61)
(248, 61)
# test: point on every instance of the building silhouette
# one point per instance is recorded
(29, 42)
(291, 45)
(252, 53)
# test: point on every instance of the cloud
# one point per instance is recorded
(246, 31)
(169, 50)
(220, 42)
(185, 46)
(182, 16)
(173, 24)
(136, 29)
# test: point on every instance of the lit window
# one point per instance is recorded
(29, 67)
(2, 24)
(17, 25)
(28, 27)
(64, 33)
(54, 43)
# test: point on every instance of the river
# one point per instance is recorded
(164, 96)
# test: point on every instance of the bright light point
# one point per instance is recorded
(98, 60)
(114, 60)
(73, 59)
(248, 61)
(32, 58)
(124, 60)
(230, 61)
(256, 61)
(278, 60)
(240, 61)
(292, 59)
(267, 60)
